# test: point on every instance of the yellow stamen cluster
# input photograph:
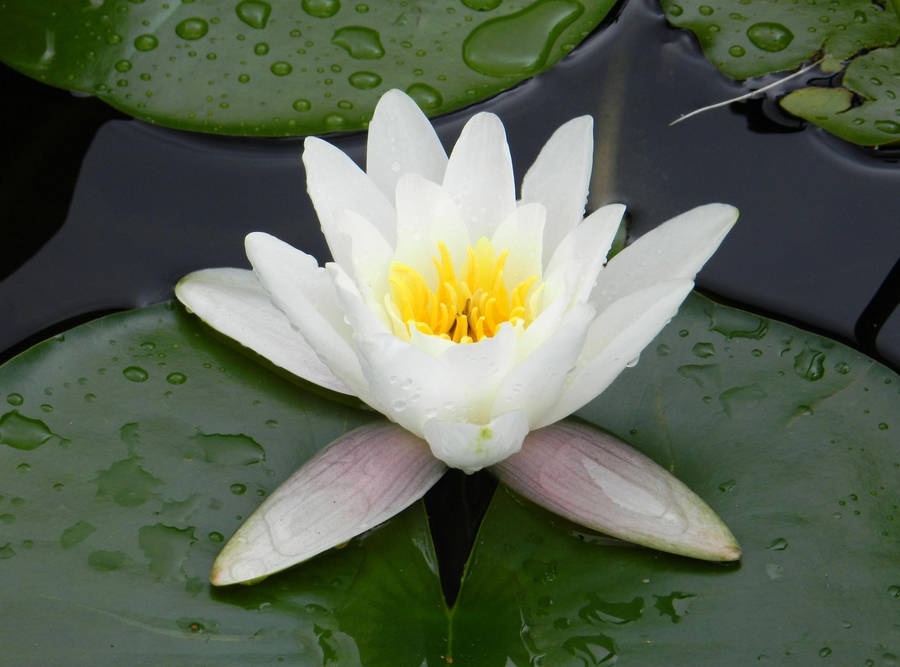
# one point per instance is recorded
(463, 310)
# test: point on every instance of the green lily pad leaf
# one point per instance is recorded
(751, 39)
(875, 79)
(132, 447)
(286, 67)
(148, 440)
(791, 438)
(755, 38)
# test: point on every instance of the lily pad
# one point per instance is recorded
(874, 79)
(132, 447)
(791, 438)
(749, 39)
(148, 439)
(286, 67)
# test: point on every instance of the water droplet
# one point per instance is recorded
(810, 364)
(7, 519)
(364, 80)
(739, 400)
(663, 350)
(6, 551)
(23, 467)
(321, 9)
(176, 378)
(727, 486)
(238, 489)
(126, 483)
(733, 323)
(706, 10)
(113, 38)
(894, 591)
(842, 367)
(888, 126)
(345, 104)
(334, 122)
(145, 42)
(883, 426)
(192, 28)
(675, 605)
(216, 536)
(675, 10)
(482, 5)
(683, 333)
(772, 37)
(20, 432)
(519, 43)
(135, 374)
(592, 649)
(166, 549)
(705, 375)
(107, 561)
(599, 611)
(425, 96)
(736, 50)
(75, 534)
(15, 399)
(824, 652)
(244, 78)
(123, 65)
(360, 42)
(281, 68)
(254, 13)
(779, 544)
(227, 449)
(703, 350)
(859, 16)
(261, 48)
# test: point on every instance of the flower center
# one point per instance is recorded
(465, 309)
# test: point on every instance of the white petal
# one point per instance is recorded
(587, 245)
(480, 368)
(471, 447)
(360, 480)
(426, 215)
(560, 176)
(233, 302)
(334, 182)
(535, 384)
(401, 141)
(522, 233)
(675, 249)
(301, 290)
(615, 339)
(367, 256)
(479, 175)
(599, 482)
(404, 383)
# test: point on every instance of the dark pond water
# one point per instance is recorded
(102, 213)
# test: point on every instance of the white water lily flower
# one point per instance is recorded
(467, 317)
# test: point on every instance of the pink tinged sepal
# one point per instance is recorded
(359, 481)
(599, 482)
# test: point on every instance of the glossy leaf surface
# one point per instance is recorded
(746, 40)
(873, 79)
(130, 447)
(286, 67)
(791, 438)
